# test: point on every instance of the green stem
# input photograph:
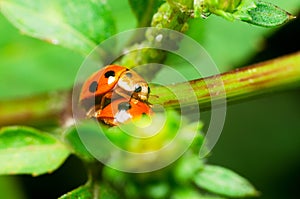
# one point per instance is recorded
(38, 110)
(94, 170)
(240, 84)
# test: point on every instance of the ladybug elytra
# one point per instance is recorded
(121, 111)
(106, 93)
(118, 79)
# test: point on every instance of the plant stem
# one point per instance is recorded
(38, 110)
(240, 85)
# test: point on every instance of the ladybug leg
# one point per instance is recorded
(93, 112)
(135, 101)
(110, 121)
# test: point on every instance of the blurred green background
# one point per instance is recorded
(261, 138)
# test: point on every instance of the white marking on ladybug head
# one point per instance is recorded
(125, 85)
(111, 79)
(122, 116)
(143, 90)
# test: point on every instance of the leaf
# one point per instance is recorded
(79, 24)
(81, 192)
(255, 12)
(187, 166)
(24, 150)
(30, 63)
(108, 192)
(158, 190)
(236, 44)
(72, 137)
(144, 10)
(268, 15)
(191, 193)
(90, 190)
(223, 181)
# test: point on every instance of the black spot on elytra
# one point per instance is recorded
(93, 87)
(109, 74)
(124, 106)
(138, 89)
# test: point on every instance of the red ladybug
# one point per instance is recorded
(121, 111)
(101, 85)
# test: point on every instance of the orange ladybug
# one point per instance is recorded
(121, 111)
(120, 80)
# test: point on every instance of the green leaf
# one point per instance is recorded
(158, 190)
(82, 192)
(187, 166)
(268, 15)
(24, 150)
(79, 24)
(237, 43)
(223, 181)
(108, 192)
(91, 190)
(36, 66)
(72, 137)
(255, 12)
(191, 193)
(144, 10)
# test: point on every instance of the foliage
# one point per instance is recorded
(61, 22)
(22, 146)
(80, 25)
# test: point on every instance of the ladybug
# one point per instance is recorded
(113, 79)
(121, 111)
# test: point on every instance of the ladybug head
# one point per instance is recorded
(141, 91)
(134, 84)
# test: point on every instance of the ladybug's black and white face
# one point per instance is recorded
(135, 84)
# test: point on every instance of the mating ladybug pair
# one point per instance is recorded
(115, 95)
